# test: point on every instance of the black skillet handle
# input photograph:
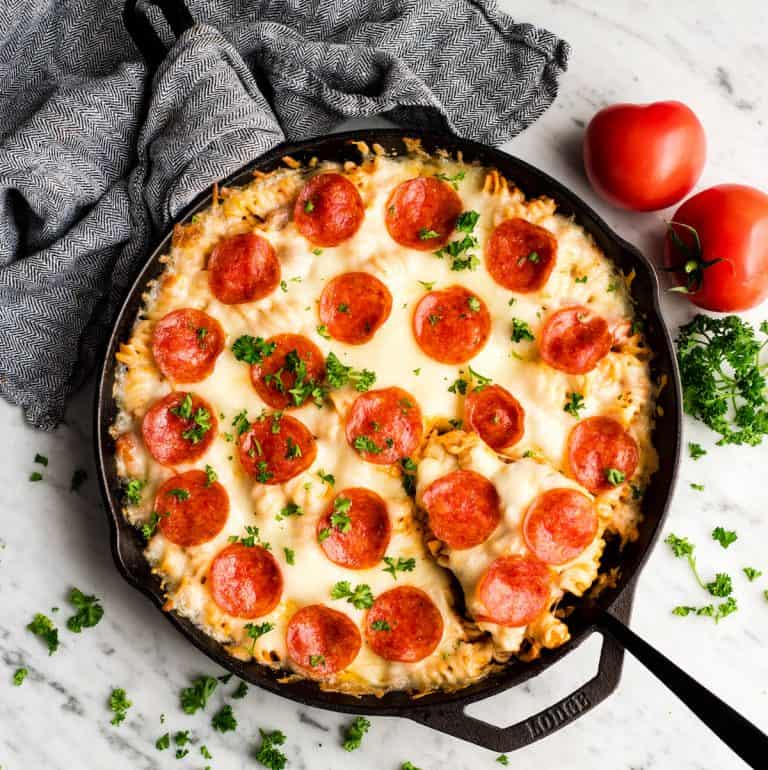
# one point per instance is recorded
(452, 718)
(744, 738)
(145, 37)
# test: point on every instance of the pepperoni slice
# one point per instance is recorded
(245, 581)
(597, 446)
(321, 640)
(515, 590)
(451, 325)
(422, 212)
(186, 344)
(243, 268)
(574, 339)
(174, 428)
(559, 524)
(275, 448)
(329, 210)
(353, 306)
(520, 256)
(361, 541)
(192, 509)
(495, 415)
(384, 425)
(463, 508)
(403, 625)
(295, 360)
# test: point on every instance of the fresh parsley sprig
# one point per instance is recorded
(360, 597)
(355, 732)
(398, 565)
(723, 380)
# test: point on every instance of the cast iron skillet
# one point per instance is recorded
(442, 710)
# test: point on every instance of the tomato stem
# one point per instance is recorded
(692, 265)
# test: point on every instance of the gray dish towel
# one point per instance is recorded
(98, 155)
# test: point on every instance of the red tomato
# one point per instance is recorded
(644, 156)
(718, 241)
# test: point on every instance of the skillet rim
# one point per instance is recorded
(397, 703)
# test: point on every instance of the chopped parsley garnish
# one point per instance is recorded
(133, 491)
(41, 460)
(340, 516)
(89, 611)
(460, 251)
(240, 422)
(184, 408)
(202, 333)
(195, 697)
(365, 443)
(721, 586)
(342, 307)
(292, 449)
(380, 625)
(179, 494)
(697, 487)
(426, 234)
(533, 257)
(583, 279)
(181, 753)
(290, 556)
(119, 704)
(204, 749)
(316, 660)
(268, 754)
(262, 474)
(474, 304)
(614, 476)
(574, 403)
(322, 330)
(458, 386)
(452, 180)
(309, 207)
(202, 422)
(355, 732)
(752, 573)
(521, 331)
(255, 631)
(360, 598)
(456, 423)
(503, 759)
(283, 285)
(289, 509)
(696, 450)
(317, 252)
(326, 478)
(224, 720)
(434, 319)
(35, 476)
(181, 738)
(722, 610)
(19, 676)
(210, 476)
(149, 527)
(723, 380)
(79, 477)
(409, 766)
(409, 476)
(163, 742)
(479, 380)
(43, 627)
(252, 350)
(428, 285)
(251, 538)
(724, 536)
(399, 565)
(240, 692)
(338, 375)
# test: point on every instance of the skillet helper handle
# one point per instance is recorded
(744, 738)
(452, 719)
(145, 37)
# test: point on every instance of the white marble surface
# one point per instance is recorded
(714, 57)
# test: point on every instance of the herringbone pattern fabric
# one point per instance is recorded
(97, 156)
